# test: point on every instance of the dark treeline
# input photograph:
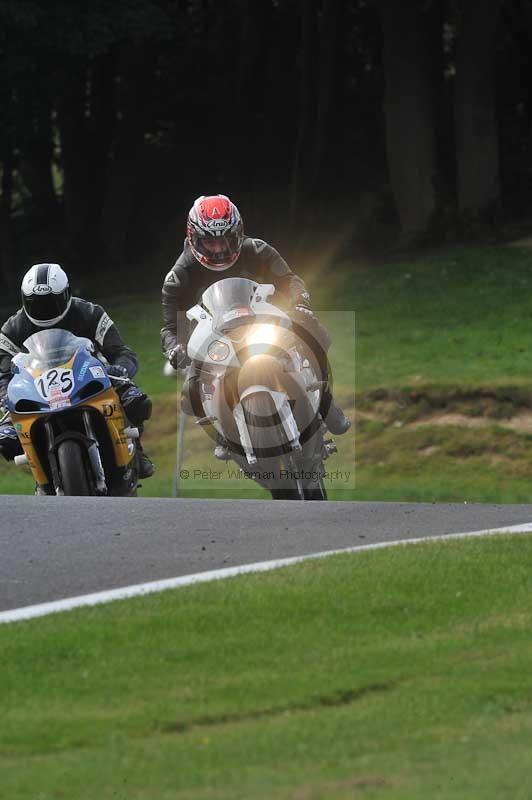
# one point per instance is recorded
(346, 119)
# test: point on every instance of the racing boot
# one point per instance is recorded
(44, 490)
(137, 408)
(9, 443)
(334, 417)
(146, 467)
(136, 404)
(221, 451)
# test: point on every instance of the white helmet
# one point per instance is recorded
(46, 294)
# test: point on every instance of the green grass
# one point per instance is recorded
(460, 318)
(398, 674)
(444, 464)
(437, 333)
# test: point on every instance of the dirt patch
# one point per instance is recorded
(525, 242)
(460, 420)
(520, 423)
(507, 407)
(428, 451)
(352, 785)
(496, 401)
(496, 459)
(370, 416)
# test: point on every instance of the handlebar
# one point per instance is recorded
(119, 380)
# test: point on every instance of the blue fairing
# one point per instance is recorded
(22, 387)
(88, 375)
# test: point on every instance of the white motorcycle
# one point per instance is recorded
(259, 388)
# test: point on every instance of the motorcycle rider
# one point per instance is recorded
(215, 244)
(47, 302)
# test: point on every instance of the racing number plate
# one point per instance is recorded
(55, 386)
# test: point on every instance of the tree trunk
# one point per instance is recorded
(125, 154)
(74, 146)
(276, 119)
(86, 115)
(304, 111)
(327, 54)
(477, 147)
(249, 12)
(7, 247)
(35, 164)
(101, 127)
(250, 90)
(409, 113)
(443, 106)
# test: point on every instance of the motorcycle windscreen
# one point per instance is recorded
(52, 347)
(229, 302)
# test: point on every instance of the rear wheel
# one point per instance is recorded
(72, 468)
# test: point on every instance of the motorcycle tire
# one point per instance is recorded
(315, 490)
(311, 491)
(73, 470)
(258, 408)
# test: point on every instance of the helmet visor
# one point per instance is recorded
(219, 250)
(46, 307)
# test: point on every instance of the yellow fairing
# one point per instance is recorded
(109, 406)
(23, 423)
(106, 403)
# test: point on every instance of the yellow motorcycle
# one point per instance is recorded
(68, 418)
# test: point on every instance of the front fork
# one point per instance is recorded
(282, 405)
(94, 455)
(90, 441)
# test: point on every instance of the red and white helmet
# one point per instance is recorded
(215, 231)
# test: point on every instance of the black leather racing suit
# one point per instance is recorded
(188, 279)
(82, 319)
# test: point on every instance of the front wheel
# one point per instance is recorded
(274, 453)
(315, 489)
(72, 468)
(271, 446)
(307, 490)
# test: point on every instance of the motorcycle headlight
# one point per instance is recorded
(218, 351)
(261, 337)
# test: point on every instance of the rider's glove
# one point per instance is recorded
(117, 371)
(177, 356)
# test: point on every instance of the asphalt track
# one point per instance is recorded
(54, 548)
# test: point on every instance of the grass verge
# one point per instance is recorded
(399, 674)
(436, 335)
(460, 318)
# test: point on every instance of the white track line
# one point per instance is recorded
(43, 609)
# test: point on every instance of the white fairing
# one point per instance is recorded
(205, 338)
(204, 334)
